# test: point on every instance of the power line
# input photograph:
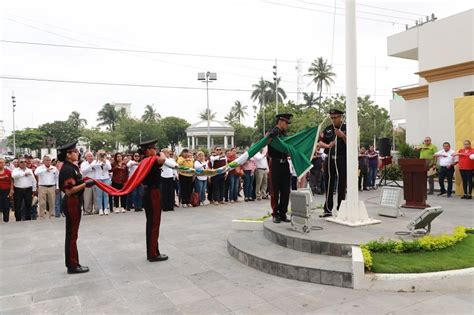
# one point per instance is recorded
(359, 11)
(140, 85)
(393, 10)
(320, 11)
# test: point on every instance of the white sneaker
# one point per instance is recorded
(184, 205)
(107, 211)
(117, 210)
(123, 210)
(101, 212)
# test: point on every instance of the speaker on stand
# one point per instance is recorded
(386, 158)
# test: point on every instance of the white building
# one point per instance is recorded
(119, 106)
(219, 130)
(444, 50)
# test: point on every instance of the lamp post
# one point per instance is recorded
(14, 136)
(208, 77)
(275, 79)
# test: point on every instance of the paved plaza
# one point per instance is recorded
(199, 278)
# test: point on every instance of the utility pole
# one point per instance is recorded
(14, 132)
(208, 77)
(275, 79)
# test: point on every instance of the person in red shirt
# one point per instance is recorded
(466, 168)
(119, 177)
(6, 190)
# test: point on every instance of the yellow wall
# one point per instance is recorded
(464, 128)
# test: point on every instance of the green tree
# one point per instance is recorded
(61, 131)
(109, 117)
(322, 75)
(260, 92)
(28, 138)
(400, 136)
(150, 114)
(76, 121)
(239, 111)
(131, 131)
(244, 136)
(99, 139)
(270, 94)
(205, 113)
(230, 118)
(309, 100)
(174, 130)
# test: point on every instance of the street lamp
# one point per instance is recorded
(207, 77)
(14, 139)
(275, 79)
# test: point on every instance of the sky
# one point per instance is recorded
(285, 30)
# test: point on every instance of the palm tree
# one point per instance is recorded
(270, 95)
(108, 116)
(205, 113)
(322, 74)
(76, 121)
(230, 118)
(238, 111)
(260, 92)
(150, 114)
(309, 99)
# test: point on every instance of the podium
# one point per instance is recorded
(414, 182)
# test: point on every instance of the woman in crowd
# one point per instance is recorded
(6, 190)
(135, 197)
(233, 176)
(119, 177)
(102, 167)
(168, 181)
(249, 168)
(466, 168)
(373, 166)
(201, 181)
(186, 178)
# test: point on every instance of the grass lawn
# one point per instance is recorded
(458, 256)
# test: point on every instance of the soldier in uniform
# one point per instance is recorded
(152, 201)
(72, 185)
(280, 176)
(333, 140)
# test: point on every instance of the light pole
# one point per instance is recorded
(208, 77)
(14, 136)
(275, 79)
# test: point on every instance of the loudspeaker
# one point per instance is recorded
(384, 147)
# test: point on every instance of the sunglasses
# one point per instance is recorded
(22, 162)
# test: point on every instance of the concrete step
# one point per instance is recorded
(254, 250)
(284, 235)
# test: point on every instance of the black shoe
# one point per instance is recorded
(464, 197)
(78, 269)
(468, 197)
(325, 215)
(441, 193)
(285, 220)
(430, 193)
(160, 257)
(246, 199)
(276, 220)
(448, 196)
(251, 199)
(138, 209)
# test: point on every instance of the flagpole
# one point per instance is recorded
(352, 211)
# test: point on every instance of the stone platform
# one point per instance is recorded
(324, 255)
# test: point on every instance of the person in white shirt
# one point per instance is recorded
(90, 193)
(102, 167)
(261, 175)
(168, 171)
(48, 177)
(135, 197)
(294, 178)
(24, 183)
(446, 163)
(200, 185)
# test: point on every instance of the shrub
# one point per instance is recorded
(393, 172)
(426, 243)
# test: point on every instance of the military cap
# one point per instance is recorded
(284, 117)
(148, 144)
(335, 112)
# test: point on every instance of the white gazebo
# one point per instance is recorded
(218, 129)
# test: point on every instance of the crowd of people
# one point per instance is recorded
(30, 186)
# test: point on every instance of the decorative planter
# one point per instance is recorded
(414, 182)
